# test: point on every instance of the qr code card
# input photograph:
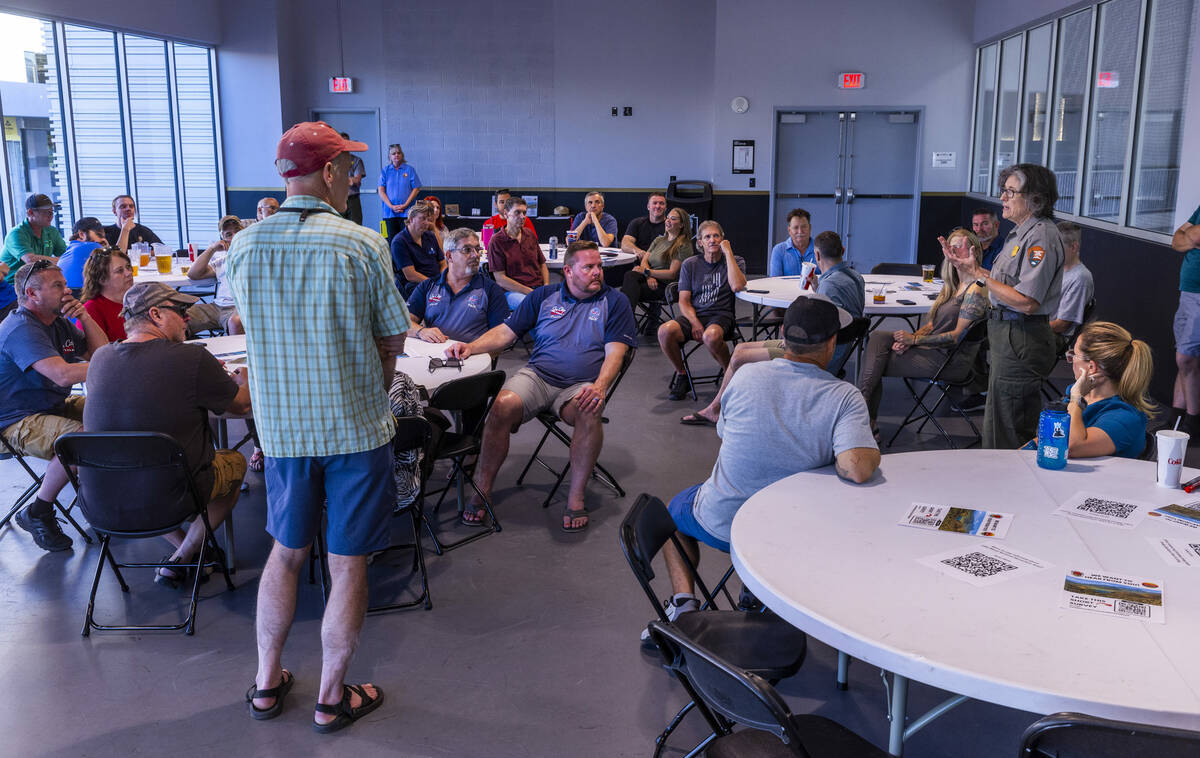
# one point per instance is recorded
(1177, 552)
(1186, 514)
(983, 564)
(1105, 509)
(1123, 596)
(948, 518)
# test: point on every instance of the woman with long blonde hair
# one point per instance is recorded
(920, 353)
(1107, 403)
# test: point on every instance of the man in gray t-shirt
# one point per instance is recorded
(1077, 287)
(779, 418)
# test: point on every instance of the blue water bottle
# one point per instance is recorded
(1054, 435)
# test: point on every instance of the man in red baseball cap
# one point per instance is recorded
(324, 323)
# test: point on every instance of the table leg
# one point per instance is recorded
(897, 712)
(843, 672)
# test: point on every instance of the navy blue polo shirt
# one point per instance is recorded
(476, 308)
(426, 257)
(569, 335)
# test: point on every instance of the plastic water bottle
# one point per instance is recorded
(553, 248)
(1054, 436)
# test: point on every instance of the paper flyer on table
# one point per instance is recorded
(1176, 552)
(948, 518)
(983, 564)
(1185, 514)
(1125, 596)
(1104, 509)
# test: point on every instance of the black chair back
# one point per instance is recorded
(853, 335)
(129, 482)
(897, 269)
(644, 530)
(969, 344)
(1075, 735)
(471, 396)
(738, 695)
(671, 293)
(415, 433)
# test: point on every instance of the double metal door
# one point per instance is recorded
(857, 172)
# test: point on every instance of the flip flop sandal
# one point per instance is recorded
(483, 520)
(279, 692)
(345, 714)
(695, 419)
(574, 514)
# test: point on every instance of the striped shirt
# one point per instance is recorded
(313, 295)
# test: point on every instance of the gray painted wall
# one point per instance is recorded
(195, 20)
(248, 81)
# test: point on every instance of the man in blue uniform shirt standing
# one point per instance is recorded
(581, 329)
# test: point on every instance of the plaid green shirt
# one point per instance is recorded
(313, 296)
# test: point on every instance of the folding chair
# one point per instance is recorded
(852, 337)
(468, 401)
(730, 694)
(897, 269)
(10, 452)
(689, 349)
(761, 642)
(136, 485)
(1075, 735)
(1051, 391)
(968, 345)
(553, 426)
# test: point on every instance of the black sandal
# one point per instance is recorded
(178, 574)
(279, 692)
(345, 714)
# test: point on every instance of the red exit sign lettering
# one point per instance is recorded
(851, 81)
(341, 84)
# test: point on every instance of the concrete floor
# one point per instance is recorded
(531, 647)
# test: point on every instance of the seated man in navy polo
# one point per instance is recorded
(460, 303)
(581, 330)
(416, 254)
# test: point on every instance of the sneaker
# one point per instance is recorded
(972, 403)
(748, 602)
(674, 605)
(45, 530)
(679, 387)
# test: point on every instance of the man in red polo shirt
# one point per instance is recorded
(514, 257)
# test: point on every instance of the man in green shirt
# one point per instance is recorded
(34, 240)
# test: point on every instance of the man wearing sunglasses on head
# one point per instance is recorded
(43, 355)
(460, 303)
(35, 239)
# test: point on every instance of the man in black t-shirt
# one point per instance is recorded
(643, 229)
(126, 212)
(178, 386)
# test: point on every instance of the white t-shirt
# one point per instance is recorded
(223, 298)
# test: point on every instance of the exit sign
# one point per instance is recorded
(341, 84)
(851, 81)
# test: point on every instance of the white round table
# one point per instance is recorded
(780, 291)
(830, 557)
(609, 257)
(414, 362)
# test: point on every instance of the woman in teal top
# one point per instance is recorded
(1108, 405)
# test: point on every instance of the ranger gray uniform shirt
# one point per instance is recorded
(1031, 262)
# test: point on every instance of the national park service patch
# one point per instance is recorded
(1036, 254)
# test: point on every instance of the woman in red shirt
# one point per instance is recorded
(107, 276)
(439, 218)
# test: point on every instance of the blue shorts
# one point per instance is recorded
(356, 490)
(680, 509)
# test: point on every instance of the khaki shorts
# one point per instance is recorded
(207, 317)
(35, 434)
(229, 469)
(774, 348)
(537, 396)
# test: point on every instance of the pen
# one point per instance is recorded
(1191, 485)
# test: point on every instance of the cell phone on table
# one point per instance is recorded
(757, 292)
(906, 302)
(931, 297)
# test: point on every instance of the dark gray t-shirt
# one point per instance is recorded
(160, 386)
(24, 340)
(709, 284)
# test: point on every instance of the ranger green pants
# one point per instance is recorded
(1022, 356)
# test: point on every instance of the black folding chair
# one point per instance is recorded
(730, 694)
(852, 337)
(554, 427)
(689, 348)
(136, 485)
(412, 433)
(1075, 735)
(10, 452)
(944, 380)
(468, 401)
(897, 269)
(761, 642)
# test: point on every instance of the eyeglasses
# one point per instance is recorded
(468, 250)
(25, 273)
(1073, 356)
(1006, 193)
(436, 363)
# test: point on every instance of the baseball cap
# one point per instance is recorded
(87, 223)
(308, 146)
(231, 220)
(143, 296)
(812, 319)
(36, 201)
